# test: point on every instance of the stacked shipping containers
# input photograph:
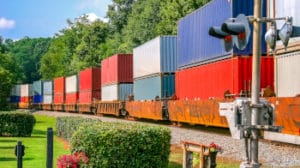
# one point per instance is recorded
(15, 94)
(71, 93)
(117, 77)
(204, 68)
(154, 67)
(37, 92)
(47, 94)
(59, 93)
(89, 88)
(26, 95)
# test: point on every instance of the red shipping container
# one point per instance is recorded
(59, 90)
(90, 79)
(213, 79)
(71, 98)
(25, 99)
(89, 96)
(117, 69)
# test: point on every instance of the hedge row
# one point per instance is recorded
(16, 124)
(115, 145)
(66, 126)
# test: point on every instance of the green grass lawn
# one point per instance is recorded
(35, 146)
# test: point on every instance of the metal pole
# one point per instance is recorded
(19, 152)
(255, 81)
(49, 160)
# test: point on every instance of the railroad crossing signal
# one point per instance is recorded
(234, 31)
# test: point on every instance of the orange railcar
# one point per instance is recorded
(145, 109)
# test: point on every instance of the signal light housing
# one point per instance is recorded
(226, 39)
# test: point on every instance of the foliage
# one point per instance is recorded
(66, 126)
(16, 124)
(74, 160)
(123, 145)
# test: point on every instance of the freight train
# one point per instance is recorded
(180, 78)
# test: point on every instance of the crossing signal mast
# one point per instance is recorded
(247, 118)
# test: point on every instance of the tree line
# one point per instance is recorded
(84, 43)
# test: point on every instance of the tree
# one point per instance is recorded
(172, 11)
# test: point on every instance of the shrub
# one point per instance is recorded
(75, 160)
(123, 145)
(16, 124)
(66, 126)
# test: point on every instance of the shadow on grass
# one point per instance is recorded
(7, 140)
(40, 132)
(38, 136)
(8, 159)
(7, 147)
(174, 165)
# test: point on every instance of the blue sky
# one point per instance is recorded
(43, 18)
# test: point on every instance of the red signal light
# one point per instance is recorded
(242, 36)
(228, 39)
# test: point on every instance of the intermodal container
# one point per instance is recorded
(37, 98)
(285, 8)
(26, 90)
(47, 99)
(16, 90)
(117, 69)
(287, 72)
(48, 87)
(59, 90)
(231, 75)
(72, 84)
(88, 96)
(15, 99)
(155, 56)
(116, 91)
(90, 79)
(37, 87)
(48, 92)
(72, 98)
(152, 87)
(196, 46)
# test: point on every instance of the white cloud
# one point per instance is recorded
(6, 24)
(92, 17)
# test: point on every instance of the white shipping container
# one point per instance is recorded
(71, 84)
(47, 99)
(287, 78)
(285, 8)
(116, 91)
(155, 56)
(26, 90)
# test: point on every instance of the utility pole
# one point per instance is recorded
(255, 82)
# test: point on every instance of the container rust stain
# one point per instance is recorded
(287, 114)
(109, 107)
(204, 112)
(146, 109)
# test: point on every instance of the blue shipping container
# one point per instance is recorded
(37, 98)
(196, 46)
(161, 85)
(15, 99)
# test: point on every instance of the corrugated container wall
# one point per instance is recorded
(90, 79)
(155, 56)
(37, 87)
(117, 91)
(117, 69)
(196, 46)
(47, 87)
(285, 8)
(72, 84)
(288, 74)
(26, 90)
(16, 90)
(214, 79)
(59, 90)
(89, 85)
(48, 92)
(161, 85)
